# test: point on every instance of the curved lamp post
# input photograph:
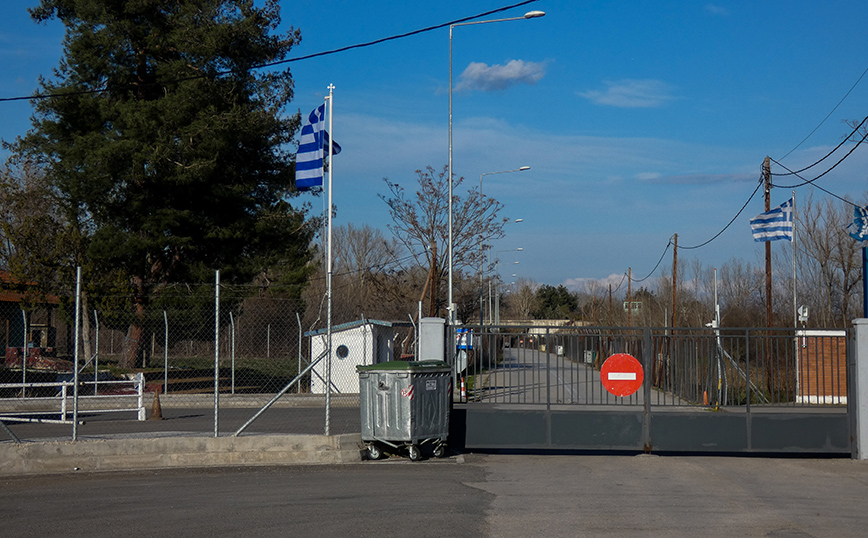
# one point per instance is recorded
(528, 15)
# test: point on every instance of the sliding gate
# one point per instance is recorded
(725, 391)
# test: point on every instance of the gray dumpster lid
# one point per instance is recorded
(405, 366)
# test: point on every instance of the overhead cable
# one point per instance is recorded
(829, 114)
(278, 62)
(846, 138)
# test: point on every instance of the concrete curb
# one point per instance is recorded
(176, 452)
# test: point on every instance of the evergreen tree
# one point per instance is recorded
(168, 146)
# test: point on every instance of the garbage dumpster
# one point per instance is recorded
(405, 405)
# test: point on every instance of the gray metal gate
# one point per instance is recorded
(704, 390)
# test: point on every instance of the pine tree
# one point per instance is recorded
(168, 144)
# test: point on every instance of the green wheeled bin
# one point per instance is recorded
(405, 405)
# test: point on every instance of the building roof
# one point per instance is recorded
(358, 323)
(13, 291)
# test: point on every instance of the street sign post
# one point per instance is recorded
(622, 374)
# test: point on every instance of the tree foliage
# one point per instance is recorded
(167, 147)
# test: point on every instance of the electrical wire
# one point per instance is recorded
(665, 250)
(829, 114)
(811, 181)
(272, 64)
(830, 193)
(759, 184)
(846, 138)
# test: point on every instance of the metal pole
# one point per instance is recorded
(865, 282)
(25, 343)
(96, 354)
(528, 15)
(165, 353)
(329, 267)
(298, 318)
(232, 348)
(216, 350)
(75, 353)
(450, 317)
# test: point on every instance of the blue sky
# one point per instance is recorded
(638, 119)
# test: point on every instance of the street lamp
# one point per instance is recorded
(495, 315)
(522, 169)
(481, 241)
(528, 15)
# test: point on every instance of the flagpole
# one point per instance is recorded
(795, 308)
(328, 380)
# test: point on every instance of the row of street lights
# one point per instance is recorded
(528, 15)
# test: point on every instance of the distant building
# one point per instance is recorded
(43, 326)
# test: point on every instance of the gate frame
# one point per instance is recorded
(658, 429)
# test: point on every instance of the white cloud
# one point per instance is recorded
(631, 93)
(716, 10)
(592, 285)
(482, 77)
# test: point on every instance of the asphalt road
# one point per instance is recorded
(528, 375)
(467, 496)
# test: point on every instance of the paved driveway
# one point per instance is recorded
(473, 495)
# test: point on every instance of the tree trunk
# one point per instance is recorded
(133, 345)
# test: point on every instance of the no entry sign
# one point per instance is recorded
(622, 374)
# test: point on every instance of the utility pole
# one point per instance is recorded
(629, 297)
(675, 283)
(767, 178)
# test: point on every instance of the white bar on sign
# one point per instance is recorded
(622, 376)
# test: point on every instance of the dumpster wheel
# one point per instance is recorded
(440, 450)
(374, 451)
(415, 453)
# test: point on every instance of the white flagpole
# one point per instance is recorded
(328, 380)
(795, 308)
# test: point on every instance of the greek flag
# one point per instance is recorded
(309, 159)
(775, 224)
(859, 224)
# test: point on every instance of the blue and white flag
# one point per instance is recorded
(775, 224)
(309, 159)
(859, 224)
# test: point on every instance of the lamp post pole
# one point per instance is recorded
(496, 314)
(482, 240)
(528, 15)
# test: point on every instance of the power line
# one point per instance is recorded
(665, 250)
(759, 184)
(846, 138)
(811, 181)
(829, 114)
(271, 64)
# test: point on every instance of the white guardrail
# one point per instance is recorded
(65, 396)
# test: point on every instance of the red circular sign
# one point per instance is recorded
(622, 374)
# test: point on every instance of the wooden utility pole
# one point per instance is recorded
(629, 297)
(675, 283)
(767, 178)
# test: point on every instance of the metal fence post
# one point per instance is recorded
(216, 349)
(75, 353)
(647, 361)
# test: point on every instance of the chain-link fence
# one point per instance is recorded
(209, 359)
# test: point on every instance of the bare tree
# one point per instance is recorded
(520, 303)
(829, 263)
(420, 224)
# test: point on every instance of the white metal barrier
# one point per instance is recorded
(138, 383)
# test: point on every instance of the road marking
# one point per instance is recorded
(622, 376)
